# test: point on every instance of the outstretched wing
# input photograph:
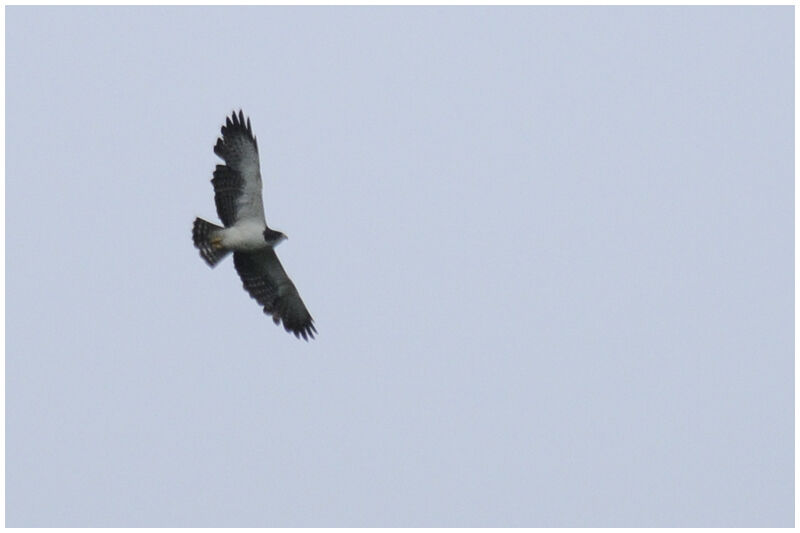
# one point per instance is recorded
(237, 183)
(265, 279)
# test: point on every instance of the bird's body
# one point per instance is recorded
(237, 188)
(246, 236)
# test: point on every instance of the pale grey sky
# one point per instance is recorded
(549, 252)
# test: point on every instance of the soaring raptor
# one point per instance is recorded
(237, 193)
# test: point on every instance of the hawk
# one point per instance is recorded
(237, 193)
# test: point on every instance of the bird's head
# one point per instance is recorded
(273, 237)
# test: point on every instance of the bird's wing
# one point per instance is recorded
(265, 279)
(237, 183)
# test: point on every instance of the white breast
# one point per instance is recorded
(244, 237)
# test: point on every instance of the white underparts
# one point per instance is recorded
(243, 237)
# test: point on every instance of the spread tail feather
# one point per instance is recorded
(202, 234)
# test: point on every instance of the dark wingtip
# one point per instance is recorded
(309, 330)
(234, 124)
(306, 330)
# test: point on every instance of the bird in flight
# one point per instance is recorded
(237, 193)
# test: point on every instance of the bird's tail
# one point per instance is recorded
(203, 233)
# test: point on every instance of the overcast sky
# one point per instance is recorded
(549, 253)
